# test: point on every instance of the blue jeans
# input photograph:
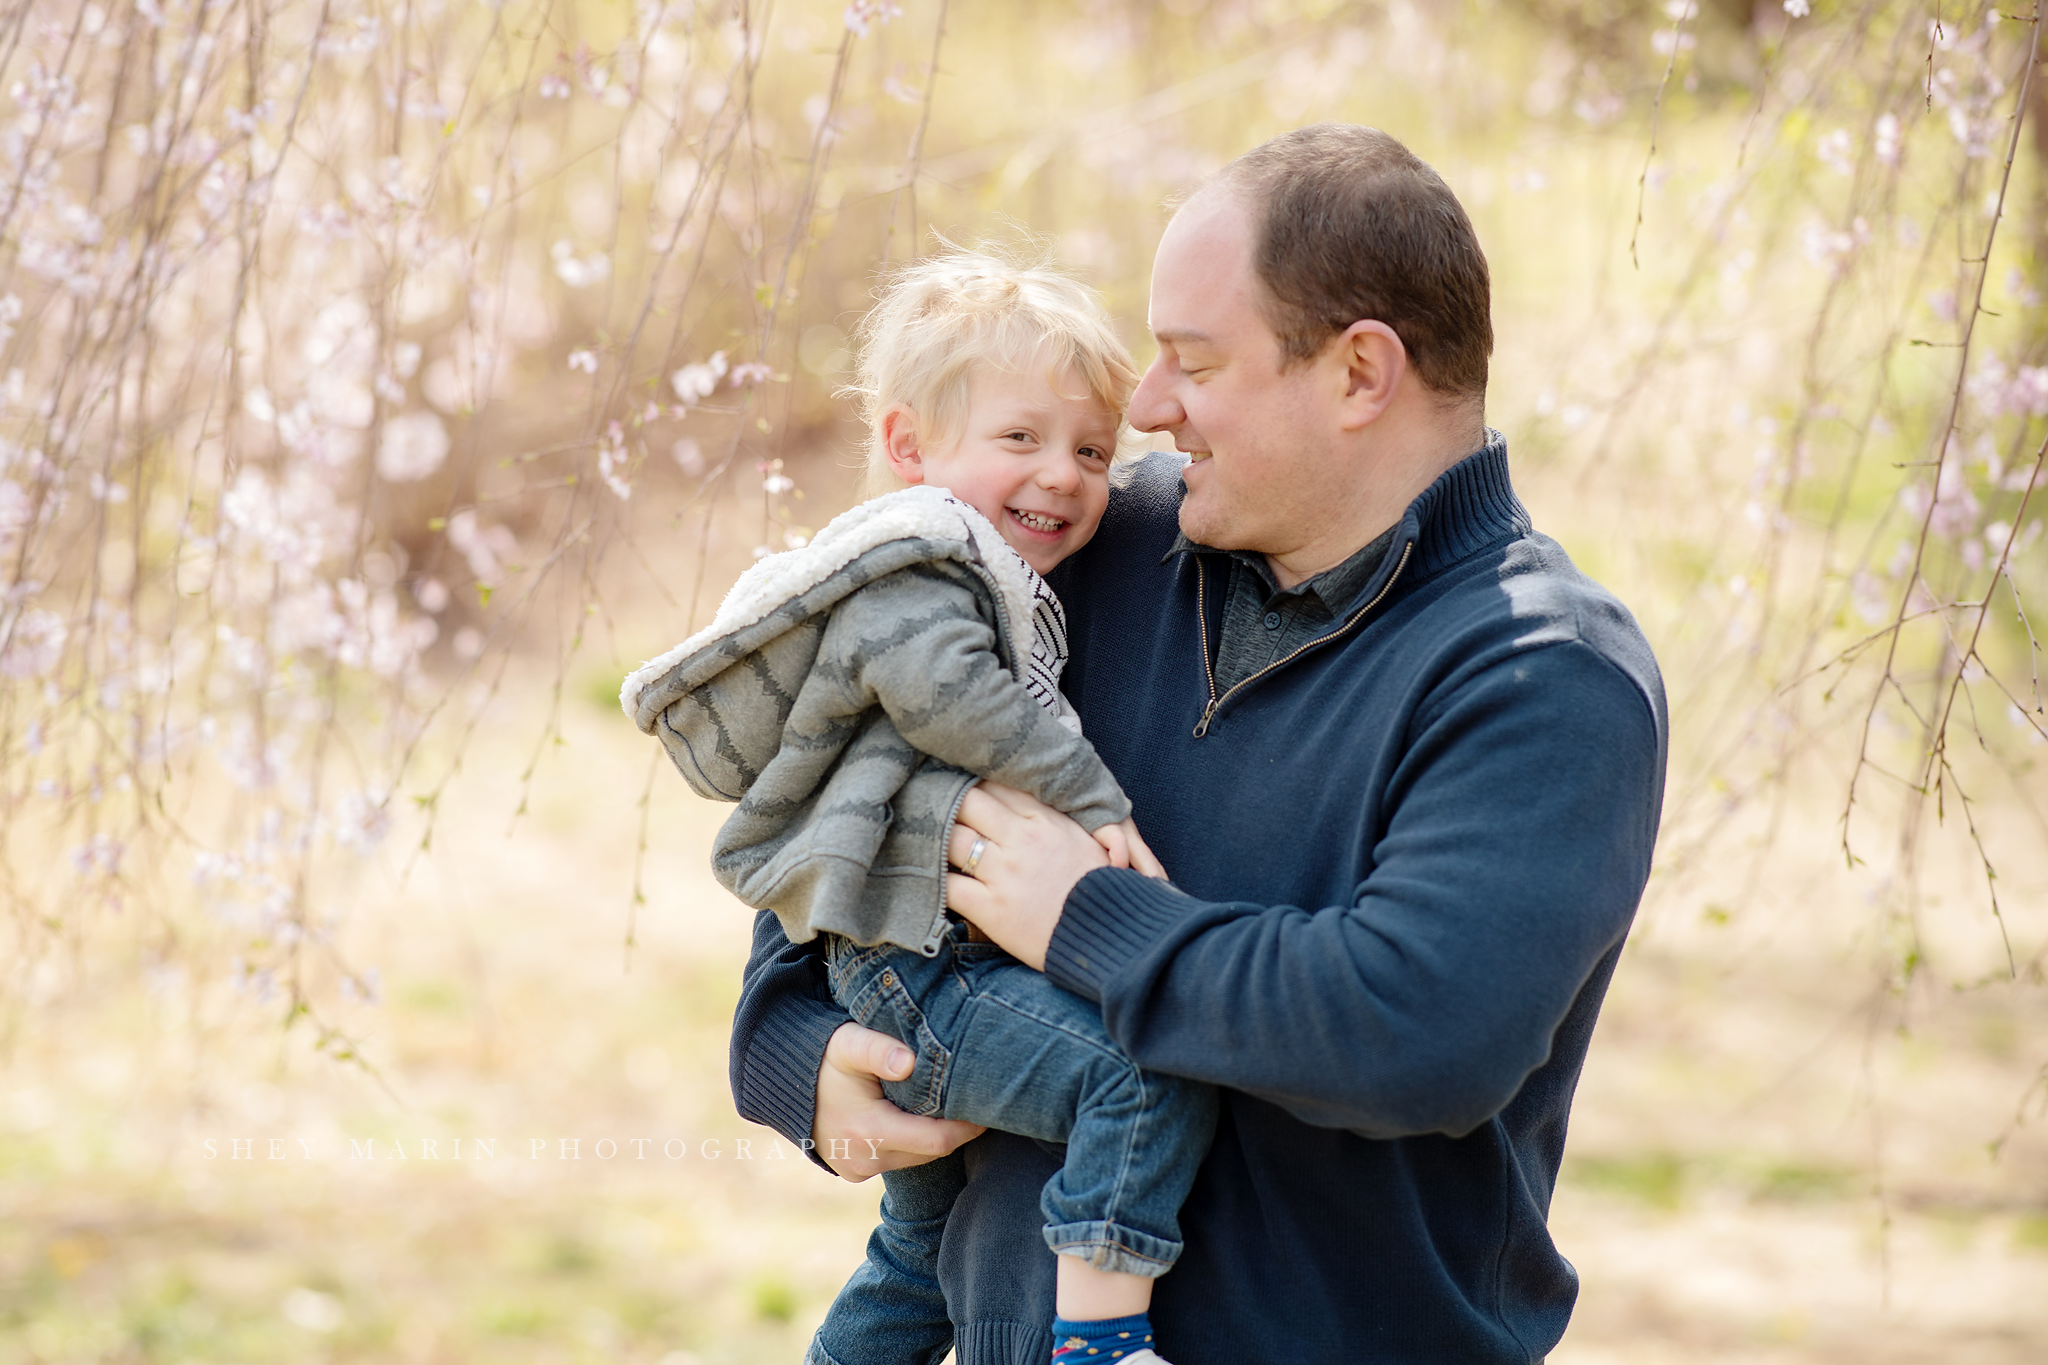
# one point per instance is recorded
(1000, 1045)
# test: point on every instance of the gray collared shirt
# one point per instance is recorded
(1264, 622)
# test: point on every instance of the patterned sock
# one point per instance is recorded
(1102, 1340)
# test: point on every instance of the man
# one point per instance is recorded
(1403, 762)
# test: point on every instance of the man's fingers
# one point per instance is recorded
(960, 844)
(887, 1127)
(990, 805)
(968, 896)
(952, 1133)
(862, 1051)
(921, 1137)
(858, 1132)
(1020, 803)
(877, 1136)
(980, 813)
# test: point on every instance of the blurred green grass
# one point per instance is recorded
(1716, 1197)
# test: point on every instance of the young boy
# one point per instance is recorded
(849, 693)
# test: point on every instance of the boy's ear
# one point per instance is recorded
(899, 441)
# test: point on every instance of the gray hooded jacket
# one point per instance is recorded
(847, 695)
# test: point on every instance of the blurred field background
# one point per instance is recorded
(380, 381)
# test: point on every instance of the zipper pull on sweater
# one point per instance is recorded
(1202, 726)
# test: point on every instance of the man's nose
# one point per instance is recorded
(1153, 407)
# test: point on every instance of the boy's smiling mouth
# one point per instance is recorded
(1037, 521)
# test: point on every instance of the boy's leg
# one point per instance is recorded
(1137, 1140)
(1031, 1058)
(892, 1311)
(998, 1044)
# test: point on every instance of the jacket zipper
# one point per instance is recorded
(1007, 633)
(1209, 670)
(930, 946)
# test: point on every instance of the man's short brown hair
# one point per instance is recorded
(1350, 225)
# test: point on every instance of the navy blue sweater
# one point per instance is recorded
(1403, 865)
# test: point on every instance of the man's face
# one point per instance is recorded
(1261, 437)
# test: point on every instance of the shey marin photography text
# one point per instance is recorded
(767, 1147)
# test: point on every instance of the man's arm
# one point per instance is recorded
(785, 1018)
(801, 1066)
(1524, 818)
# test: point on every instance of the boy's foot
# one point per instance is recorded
(1111, 1341)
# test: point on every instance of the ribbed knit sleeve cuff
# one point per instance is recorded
(778, 1083)
(1111, 916)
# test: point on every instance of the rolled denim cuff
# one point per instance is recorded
(1114, 1247)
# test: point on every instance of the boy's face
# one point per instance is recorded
(1033, 457)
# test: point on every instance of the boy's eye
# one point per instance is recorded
(1093, 453)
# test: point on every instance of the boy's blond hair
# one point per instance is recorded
(938, 318)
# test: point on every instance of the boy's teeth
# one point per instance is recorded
(1037, 522)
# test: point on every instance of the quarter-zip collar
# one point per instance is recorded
(1472, 505)
(1329, 594)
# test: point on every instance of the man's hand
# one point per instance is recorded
(858, 1131)
(1030, 859)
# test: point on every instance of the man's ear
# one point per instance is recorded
(1374, 361)
(899, 441)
